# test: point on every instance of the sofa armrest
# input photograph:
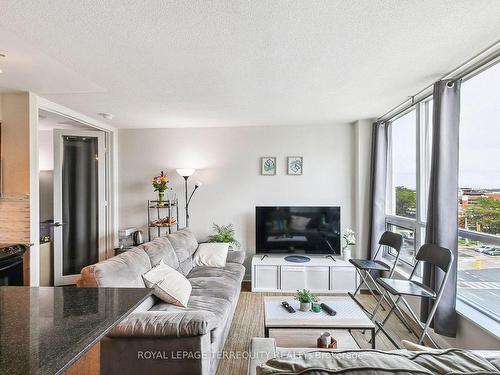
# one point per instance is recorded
(261, 350)
(165, 324)
(236, 256)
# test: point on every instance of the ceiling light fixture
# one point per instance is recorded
(107, 116)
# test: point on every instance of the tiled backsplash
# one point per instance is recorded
(15, 218)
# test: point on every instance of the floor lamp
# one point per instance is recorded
(186, 173)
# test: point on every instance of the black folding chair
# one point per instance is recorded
(364, 268)
(437, 256)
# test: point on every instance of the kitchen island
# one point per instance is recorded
(47, 330)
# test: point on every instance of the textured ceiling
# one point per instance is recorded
(237, 63)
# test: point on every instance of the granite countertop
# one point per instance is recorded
(45, 330)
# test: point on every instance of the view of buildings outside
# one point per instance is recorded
(479, 193)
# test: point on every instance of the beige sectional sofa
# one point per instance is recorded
(160, 338)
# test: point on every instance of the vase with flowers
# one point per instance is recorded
(160, 184)
(349, 240)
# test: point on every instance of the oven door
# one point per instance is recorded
(11, 271)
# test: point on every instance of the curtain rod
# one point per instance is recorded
(475, 63)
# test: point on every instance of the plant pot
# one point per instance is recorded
(305, 306)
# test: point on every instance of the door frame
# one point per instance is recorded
(111, 141)
(59, 278)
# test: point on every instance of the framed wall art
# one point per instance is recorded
(295, 165)
(268, 165)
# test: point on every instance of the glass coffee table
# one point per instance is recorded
(293, 329)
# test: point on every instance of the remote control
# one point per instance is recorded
(328, 309)
(288, 308)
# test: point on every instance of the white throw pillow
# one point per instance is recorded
(211, 254)
(168, 284)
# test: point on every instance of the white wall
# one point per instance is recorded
(46, 150)
(227, 161)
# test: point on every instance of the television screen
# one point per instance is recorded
(298, 230)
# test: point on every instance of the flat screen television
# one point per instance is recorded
(297, 230)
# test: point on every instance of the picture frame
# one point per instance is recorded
(295, 165)
(268, 165)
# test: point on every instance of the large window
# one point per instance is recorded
(408, 177)
(479, 193)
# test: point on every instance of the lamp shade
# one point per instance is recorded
(185, 172)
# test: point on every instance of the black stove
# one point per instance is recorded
(11, 250)
(11, 264)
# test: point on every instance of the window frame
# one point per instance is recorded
(423, 129)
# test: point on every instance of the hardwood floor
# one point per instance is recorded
(248, 322)
(88, 364)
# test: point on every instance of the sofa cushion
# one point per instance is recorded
(186, 266)
(216, 287)
(185, 244)
(164, 324)
(168, 284)
(218, 307)
(124, 270)
(233, 272)
(160, 249)
(211, 254)
(236, 256)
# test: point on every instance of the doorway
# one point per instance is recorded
(72, 197)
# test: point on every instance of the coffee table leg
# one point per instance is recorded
(373, 338)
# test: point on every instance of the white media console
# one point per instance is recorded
(272, 273)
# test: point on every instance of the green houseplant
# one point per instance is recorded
(305, 297)
(224, 234)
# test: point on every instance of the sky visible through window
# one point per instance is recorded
(480, 131)
(404, 145)
(479, 195)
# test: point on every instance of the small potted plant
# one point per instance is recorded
(305, 297)
(224, 234)
(159, 184)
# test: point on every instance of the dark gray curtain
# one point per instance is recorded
(80, 203)
(378, 184)
(442, 213)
